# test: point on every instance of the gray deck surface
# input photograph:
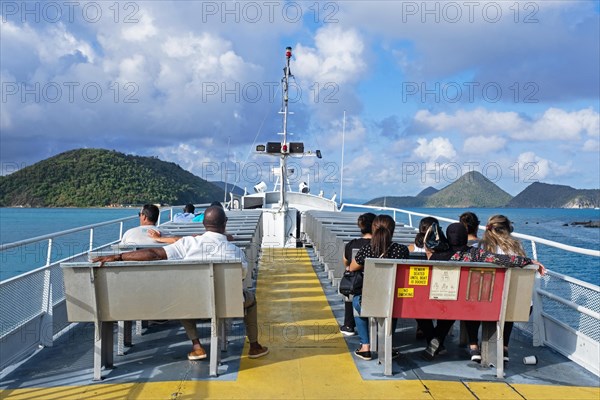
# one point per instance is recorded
(160, 355)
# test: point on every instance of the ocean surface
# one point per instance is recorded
(24, 223)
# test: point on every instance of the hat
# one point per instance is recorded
(457, 236)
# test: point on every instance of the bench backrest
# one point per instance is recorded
(152, 290)
(446, 290)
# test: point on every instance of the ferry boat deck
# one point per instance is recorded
(299, 314)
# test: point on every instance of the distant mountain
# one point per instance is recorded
(470, 190)
(544, 195)
(230, 187)
(419, 200)
(96, 177)
(398, 201)
(428, 192)
(354, 200)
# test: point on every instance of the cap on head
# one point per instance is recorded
(457, 235)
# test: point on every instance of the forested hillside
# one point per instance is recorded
(547, 195)
(470, 190)
(96, 177)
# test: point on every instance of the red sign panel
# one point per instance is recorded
(475, 295)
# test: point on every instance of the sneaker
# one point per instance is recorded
(259, 351)
(475, 354)
(347, 331)
(198, 354)
(365, 355)
(506, 358)
(430, 352)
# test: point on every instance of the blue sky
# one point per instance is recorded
(431, 90)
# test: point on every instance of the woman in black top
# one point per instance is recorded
(381, 246)
(364, 223)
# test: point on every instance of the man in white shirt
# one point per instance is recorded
(187, 215)
(139, 235)
(211, 246)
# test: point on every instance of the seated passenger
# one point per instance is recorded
(418, 246)
(139, 235)
(381, 246)
(471, 222)
(200, 217)
(497, 238)
(187, 215)
(364, 223)
(437, 247)
(460, 251)
(157, 235)
(212, 246)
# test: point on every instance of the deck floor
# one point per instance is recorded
(299, 314)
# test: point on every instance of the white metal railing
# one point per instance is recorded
(532, 239)
(32, 304)
(566, 311)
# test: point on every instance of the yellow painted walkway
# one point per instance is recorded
(309, 358)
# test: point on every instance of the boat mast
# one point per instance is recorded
(226, 161)
(284, 145)
(342, 169)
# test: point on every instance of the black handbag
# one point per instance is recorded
(351, 283)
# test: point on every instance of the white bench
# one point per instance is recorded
(152, 290)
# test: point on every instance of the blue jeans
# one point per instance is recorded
(362, 324)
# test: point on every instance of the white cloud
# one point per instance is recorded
(49, 44)
(483, 144)
(193, 62)
(492, 42)
(558, 124)
(553, 124)
(337, 58)
(534, 167)
(354, 133)
(437, 148)
(132, 68)
(474, 122)
(141, 30)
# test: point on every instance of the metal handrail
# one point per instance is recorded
(51, 236)
(574, 249)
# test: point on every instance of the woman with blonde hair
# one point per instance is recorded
(497, 239)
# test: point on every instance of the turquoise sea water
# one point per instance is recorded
(24, 223)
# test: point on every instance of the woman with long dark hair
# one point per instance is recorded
(381, 246)
(419, 245)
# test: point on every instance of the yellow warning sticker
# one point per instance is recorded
(418, 276)
(406, 292)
